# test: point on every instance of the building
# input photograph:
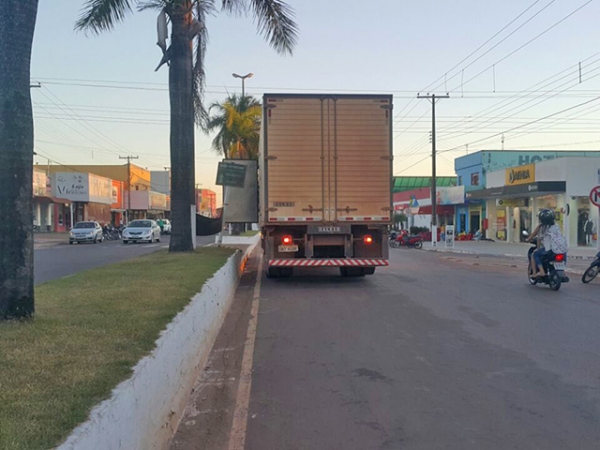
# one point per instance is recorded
(514, 196)
(128, 179)
(472, 171)
(412, 197)
(49, 213)
(206, 202)
(160, 181)
(90, 196)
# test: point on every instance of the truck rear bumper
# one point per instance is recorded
(342, 262)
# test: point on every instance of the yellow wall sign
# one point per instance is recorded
(520, 175)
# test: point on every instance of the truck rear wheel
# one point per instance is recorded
(369, 270)
(280, 272)
(354, 271)
(273, 272)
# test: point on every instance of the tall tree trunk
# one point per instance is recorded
(17, 24)
(182, 134)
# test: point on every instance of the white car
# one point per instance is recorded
(144, 230)
(86, 232)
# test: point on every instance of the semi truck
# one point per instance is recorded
(325, 182)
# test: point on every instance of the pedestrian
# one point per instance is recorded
(589, 231)
(161, 224)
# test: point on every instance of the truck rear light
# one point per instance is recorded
(287, 240)
(368, 239)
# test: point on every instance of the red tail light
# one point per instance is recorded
(368, 239)
(287, 240)
(560, 257)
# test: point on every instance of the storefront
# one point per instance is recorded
(515, 196)
(87, 196)
(148, 205)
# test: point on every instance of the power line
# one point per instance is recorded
(524, 125)
(525, 44)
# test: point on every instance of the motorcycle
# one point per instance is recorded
(404, 240)
(554, 266)
(592, 271)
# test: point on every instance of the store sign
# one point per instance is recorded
(72, 186)
(158, 201)
(520, 175)
(100, 189)
(231, 174)
(510, 202)
(40, 183)
(450, 195)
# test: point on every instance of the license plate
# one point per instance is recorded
(560, 265)
(288, 248)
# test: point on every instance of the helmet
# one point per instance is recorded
(546, 217)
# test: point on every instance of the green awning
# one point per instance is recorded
(402, 184)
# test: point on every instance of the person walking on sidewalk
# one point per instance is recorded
(550, 240)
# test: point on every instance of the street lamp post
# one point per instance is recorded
(243, 78)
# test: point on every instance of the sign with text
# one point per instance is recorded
(520, 175)
(231, 174)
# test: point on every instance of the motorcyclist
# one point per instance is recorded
(550, 240)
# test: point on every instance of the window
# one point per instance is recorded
(475, 179)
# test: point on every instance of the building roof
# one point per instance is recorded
(402, 184)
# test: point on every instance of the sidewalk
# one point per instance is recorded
(42, 240)
(505, 249)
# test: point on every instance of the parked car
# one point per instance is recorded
(141, 231)
(86, 232)
(166, 226)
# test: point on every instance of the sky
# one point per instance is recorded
(511, 70)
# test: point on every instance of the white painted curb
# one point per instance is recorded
(238, 240)
(143, 411)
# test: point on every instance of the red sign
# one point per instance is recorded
(595, 196)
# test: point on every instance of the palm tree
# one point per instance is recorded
(238, 124)
(274, 19)
(17, 23)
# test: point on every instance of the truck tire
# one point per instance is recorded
(273, 272)
(354, 271)
(369, 270)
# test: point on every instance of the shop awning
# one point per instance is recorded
(523, 190)
(45, 199)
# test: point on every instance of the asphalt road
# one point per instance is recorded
(435, 352)
(62, 260)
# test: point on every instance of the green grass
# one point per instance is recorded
(250, 233)
(88, 333)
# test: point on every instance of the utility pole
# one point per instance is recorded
(433, 98)
(128, 158)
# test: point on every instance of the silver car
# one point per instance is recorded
(145, 230)
(86, 232)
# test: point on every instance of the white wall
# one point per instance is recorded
(495, 179)
(143, 411)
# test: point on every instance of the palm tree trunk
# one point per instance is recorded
(182, 135)
(17, 24)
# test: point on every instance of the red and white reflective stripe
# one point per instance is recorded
(365, 218)
(346, 262)
(294, 219)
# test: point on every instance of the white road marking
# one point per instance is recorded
(237, 438)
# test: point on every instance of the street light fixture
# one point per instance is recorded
(243, 78)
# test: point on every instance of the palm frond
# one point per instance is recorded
(102, 15)
(275, 21)
(235, 7)
(156, 5)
